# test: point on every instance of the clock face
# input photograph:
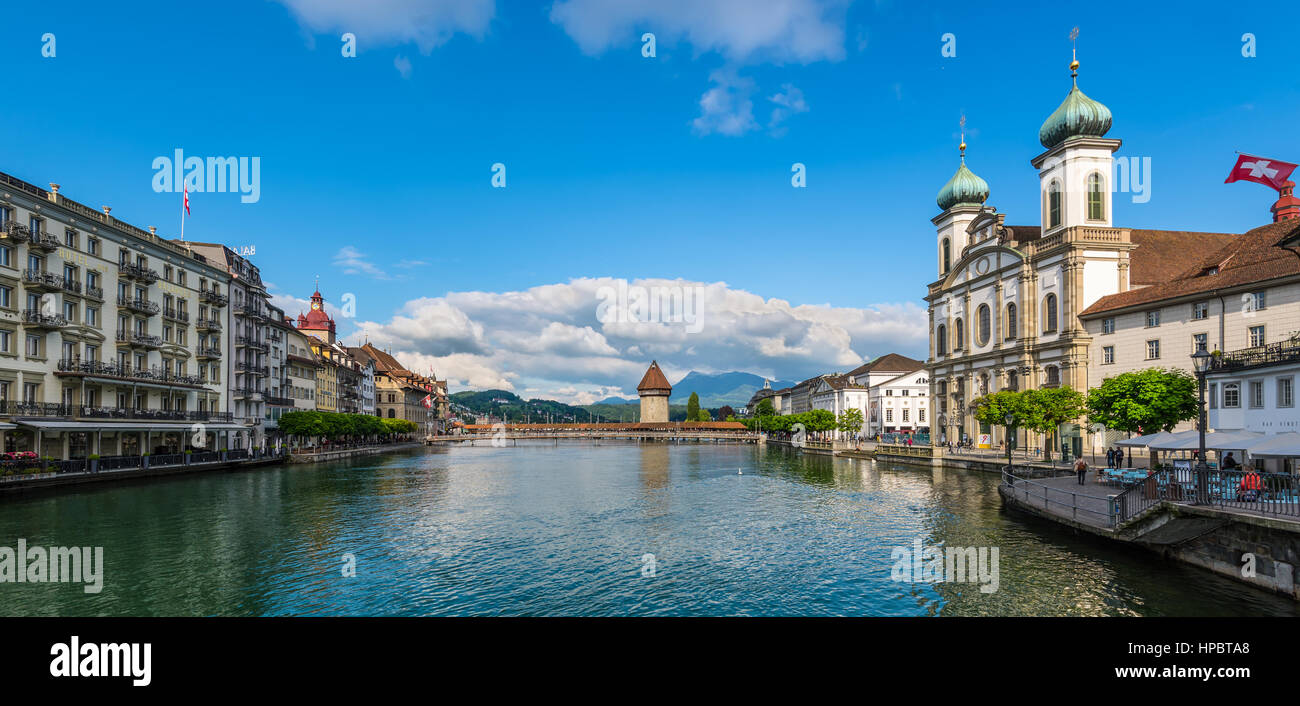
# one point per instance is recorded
(314, 305)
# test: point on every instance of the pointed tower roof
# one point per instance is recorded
(964, 188)
(654, 380)
(1078, 115)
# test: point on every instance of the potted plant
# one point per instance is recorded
(92, 463)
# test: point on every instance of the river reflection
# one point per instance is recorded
(546, 529)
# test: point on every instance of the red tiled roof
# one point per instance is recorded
(654, 380)
(1162, 255)
(889, 363)
(1241, 260)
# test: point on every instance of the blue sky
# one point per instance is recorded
(375, 170)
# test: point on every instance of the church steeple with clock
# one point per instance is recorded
(317, 320)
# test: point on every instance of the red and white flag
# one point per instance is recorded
(1269, 172)
(427, 401)
(187, 199)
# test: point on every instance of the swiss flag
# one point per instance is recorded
(187, 199)
(1269, 172)
(427, 401)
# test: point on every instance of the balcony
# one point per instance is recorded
(207, 352)
(15, 231)
(43, 241)
(138, 273)
(42, 280)
(34, 409)
(279, 401)
(246, 342)
(248, 393)
(166, 415)
(140, 306)
(35, 319)
(252, 369)
(176, 315)
(213, 298)
(145, 340)
(251, 311)
(95, 292)
(203, 324)
(94, 368)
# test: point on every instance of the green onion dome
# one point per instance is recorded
(1078, 115)
(963, 189)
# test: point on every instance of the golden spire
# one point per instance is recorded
(1074, 55)
(962, 146)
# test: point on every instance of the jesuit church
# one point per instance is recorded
(1004, 309)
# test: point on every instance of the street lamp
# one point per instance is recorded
(1010, 419)
(1201, 363)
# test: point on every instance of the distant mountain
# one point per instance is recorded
(719, 389)
(620, 400)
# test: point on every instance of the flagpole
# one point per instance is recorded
(184, 195)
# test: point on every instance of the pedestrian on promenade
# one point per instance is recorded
(1081, 467)
(1110, 458)
(1119, 457)
(1229, 462)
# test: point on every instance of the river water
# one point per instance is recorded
(584, 529)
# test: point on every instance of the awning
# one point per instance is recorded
(4, 426)
(1191, 440)
(1148, 439)
(1285, 445)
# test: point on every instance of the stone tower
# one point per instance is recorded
(654, 391)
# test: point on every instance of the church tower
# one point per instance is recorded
(317, 321)
(1075, 172)
(961, 199)
(654, 391)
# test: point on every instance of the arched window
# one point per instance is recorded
(984, 383)
(960, 340)
(1096, 198)
(1053, 376)
(983, 325)
(1054, 204)
(941, 340)
(1013, 380)
(1049, 313)
(947, 255)
(390, 413)
(1011, 321)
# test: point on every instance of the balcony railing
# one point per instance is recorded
(207, 324)
(34, 409)
(146, 340)
(137, 272)
(176, 315)
(142, 306)
(44, 241)
(34, 317)
(40, 279)
(128, 372)
(250, 343)
(252, 368)
(210, 297)
(251, 394)
(207, 352)
(172, 415)
(250, 310)
(15, 230)
(1272, 354)
(279, 401)
(95, 292)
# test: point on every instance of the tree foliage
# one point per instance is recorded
(693, 407)
(334, 425)
(850, 421)
(1144, 402)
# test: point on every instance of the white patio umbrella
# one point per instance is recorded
(1149, 439)
(1191, 440)
(1277, 446)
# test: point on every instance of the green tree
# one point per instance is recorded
(1047, 409)
(693, 407)
(818, 420)
(765, 409)
(993, 409)
(703, 416)
(850, 421)
(1144, 402)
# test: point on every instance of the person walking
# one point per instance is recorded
(1081, 468)
(1229, 463)
(1110, 458)
(1119, 457)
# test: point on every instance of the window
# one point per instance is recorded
(6, 297)
(1153, 350)
(1108, 355)
(1200, 310)
(1096, 198)
(6, 341)
(1053, 204)
(1108, 325)
(959, 341)
(1153, 318)
(889, 415)
(1011, 321)
(920, 415)
(941, 340)
(1231, 395)
(1199, 342)
(70, 312)
(1256, 336)
(70, 238)
(93, 246)
(1256, 394)
(983, 326)
(33, 346)
(1214, 395)
(1255, 301)
(1286, 392)
(1053, 376)
(947, 256)
(6, 256)
(888, 393)
(1049, 314)
(1013, 380)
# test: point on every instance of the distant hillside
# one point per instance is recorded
(733, 388)
(500, 405)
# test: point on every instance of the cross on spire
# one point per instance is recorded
(1074, 55)
(962, 146)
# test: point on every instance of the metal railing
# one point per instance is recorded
(144, 306)
(34, 317)
(154, 374)
(1045, 496)
(210, 297)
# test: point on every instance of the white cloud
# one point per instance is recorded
(789, 101)
(403, 66)
(426, 23)
(354, 262)
(742, 31)
(726, 108)
(548, 341)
